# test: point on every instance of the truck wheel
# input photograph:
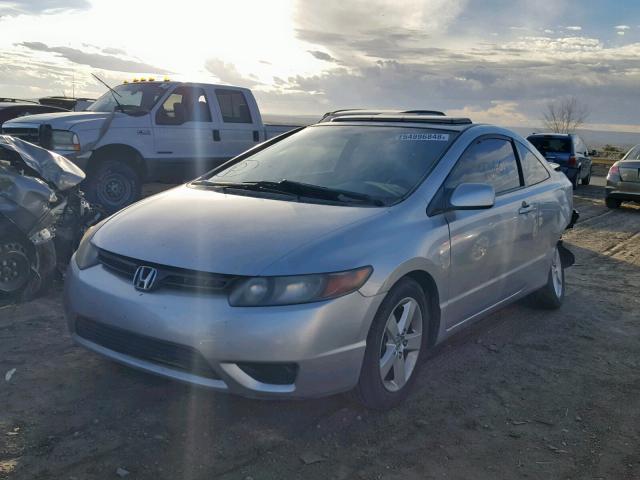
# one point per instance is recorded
(612, 203)
(113, 185)
(552, 294)
(396, 344)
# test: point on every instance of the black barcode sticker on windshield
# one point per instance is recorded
(428, 137)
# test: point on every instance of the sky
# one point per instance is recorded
(497, 61)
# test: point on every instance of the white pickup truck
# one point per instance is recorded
(149, 131)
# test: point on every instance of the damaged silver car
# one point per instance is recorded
(43, 215)
(329, 259)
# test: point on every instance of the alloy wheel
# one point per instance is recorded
(401, 344)
(556, 273)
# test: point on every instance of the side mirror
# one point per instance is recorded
(593, 153)
(472, 196)
(555, 166)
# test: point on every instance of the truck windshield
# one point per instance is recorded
(138, 96)
(383, 163)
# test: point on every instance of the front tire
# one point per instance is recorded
(113, 185)
(551, 295)
(587, 180)
(396, 344)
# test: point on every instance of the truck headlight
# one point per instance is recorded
(296, 289)
(87, 253)
(65, 140)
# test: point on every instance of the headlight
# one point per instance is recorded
(295, 289)
(65, 140)
(87, 254)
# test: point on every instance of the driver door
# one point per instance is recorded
(488, 247)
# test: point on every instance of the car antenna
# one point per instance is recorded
(113, 92)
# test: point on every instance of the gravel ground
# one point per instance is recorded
(522, 394)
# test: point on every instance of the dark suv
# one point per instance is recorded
(567, 150)
(10, 108)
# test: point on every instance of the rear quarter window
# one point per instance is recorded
(533, 170)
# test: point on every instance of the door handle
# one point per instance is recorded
(256, 136)
(216, 135)
(525, 208)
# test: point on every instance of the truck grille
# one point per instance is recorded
(168, 277)
(172, 355)
(26, 134)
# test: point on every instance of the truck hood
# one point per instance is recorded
(215, 232)
(61, 120)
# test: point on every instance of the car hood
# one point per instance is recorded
(61, 120)
(215, 232)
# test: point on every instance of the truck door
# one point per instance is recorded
(240, 131)
(184, 139)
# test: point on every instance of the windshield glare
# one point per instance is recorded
(383, 162)
(141, 96)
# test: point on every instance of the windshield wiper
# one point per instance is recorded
(299, 189)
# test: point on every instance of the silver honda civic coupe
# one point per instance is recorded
(327, 260)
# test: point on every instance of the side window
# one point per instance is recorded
(184, 104)
(234, 106)
(634, 154)
(490, 160)
(532, 169)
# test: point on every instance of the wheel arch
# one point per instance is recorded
(121, 152)
(430, 289)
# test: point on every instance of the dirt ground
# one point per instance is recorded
(522, 394)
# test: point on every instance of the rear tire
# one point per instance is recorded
(576, 180)
(396, 345)
(113, 185)
(612, 203)
(551, 295)
(587, 180)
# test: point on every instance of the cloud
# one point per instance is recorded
(574, 28)
(338, 26)
(228, 73)
(499, 112)
(322, 56)
(96, 60)
(622, 27)
(39, 7)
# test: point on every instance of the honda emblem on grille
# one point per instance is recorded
(145, 278)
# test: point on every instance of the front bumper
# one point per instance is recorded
(325, 340)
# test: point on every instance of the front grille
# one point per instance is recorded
(168, 277)
(28, 134)
(172, 355)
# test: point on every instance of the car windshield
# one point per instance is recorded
(384, 163)
(139, 96)
(551, 144)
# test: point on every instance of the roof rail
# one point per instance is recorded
(435, 119)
